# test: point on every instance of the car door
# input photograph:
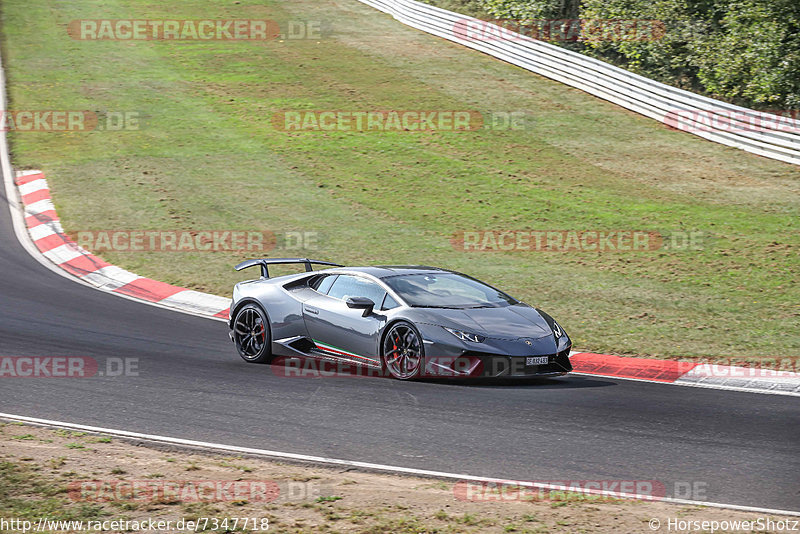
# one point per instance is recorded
(341, 331)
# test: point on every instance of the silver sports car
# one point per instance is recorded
(402, 321)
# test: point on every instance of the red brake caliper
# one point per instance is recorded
(394, 349)
(261, 333)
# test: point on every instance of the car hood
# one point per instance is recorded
(510, 322)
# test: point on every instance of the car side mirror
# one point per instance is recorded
(361, 303)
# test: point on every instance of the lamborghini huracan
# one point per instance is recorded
(407, 322)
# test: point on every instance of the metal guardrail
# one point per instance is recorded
(765, 134)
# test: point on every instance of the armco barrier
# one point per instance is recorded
(777, 137)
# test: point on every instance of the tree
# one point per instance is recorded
(532, 9)
(743, 51)
(755, 56)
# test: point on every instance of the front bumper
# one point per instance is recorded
(446, 357)
(472, 364)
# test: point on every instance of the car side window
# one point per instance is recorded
(346, 286)
(389, 303)
(324, 285)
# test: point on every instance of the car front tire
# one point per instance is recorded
(403, 352)
(251, 334)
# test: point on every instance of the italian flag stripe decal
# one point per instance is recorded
(335, 350)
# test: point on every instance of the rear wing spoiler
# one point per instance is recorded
(266, 262)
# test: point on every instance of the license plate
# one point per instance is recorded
(536, 360)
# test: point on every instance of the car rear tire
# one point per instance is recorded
(402, 351)
(252, 335)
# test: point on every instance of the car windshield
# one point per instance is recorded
(446, 290)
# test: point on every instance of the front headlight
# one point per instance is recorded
(466, 336)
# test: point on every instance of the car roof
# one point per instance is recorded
(386, 271)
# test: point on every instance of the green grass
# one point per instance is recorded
(26, 495)
(331, 498)
(207, 157)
